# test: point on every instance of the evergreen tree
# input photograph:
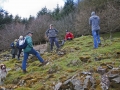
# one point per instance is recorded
(5, 18)
(68, 7)
(43, 11)
(56, 13)
(17, 19)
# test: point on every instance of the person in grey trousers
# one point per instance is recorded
(52, 33)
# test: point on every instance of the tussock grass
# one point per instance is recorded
(79, 47)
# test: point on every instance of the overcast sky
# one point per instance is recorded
(25, 8)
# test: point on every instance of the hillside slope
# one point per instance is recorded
(76, 56)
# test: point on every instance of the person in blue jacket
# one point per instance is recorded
(94, 21)
(30, 50)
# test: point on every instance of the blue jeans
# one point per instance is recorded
(52, 40)
(96, 38)
(26, 54)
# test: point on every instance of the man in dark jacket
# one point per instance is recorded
(51, 33)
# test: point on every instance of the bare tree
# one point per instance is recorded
(9, 34)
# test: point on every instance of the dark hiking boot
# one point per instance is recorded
(94, 48)
(99, 44)
(44, 63)
(24, 71)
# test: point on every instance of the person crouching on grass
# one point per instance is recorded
(69, 35)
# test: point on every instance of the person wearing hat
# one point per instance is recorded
(52, 33)
(69, 35)
(30, 50)
(14, 48)
(19, 49)
(94, 21)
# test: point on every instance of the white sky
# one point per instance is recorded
(25, 8)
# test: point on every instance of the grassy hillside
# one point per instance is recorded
(62, 67)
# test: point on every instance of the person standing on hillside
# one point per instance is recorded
(94, 21)
(29, 50)
(14, 48)
(52, 33)
(19, 49)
